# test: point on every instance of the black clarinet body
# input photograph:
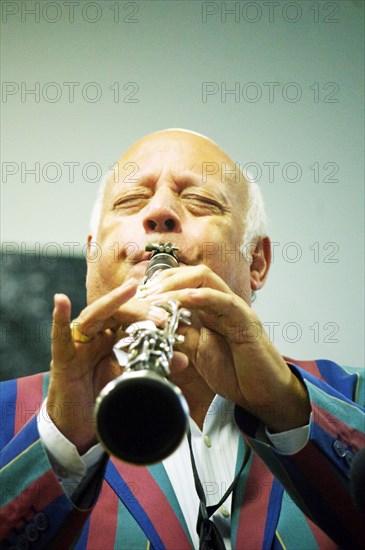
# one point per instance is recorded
(141, 417)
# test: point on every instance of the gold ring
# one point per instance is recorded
(78, 336)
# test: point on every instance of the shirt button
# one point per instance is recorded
(41, 521)
(339, 448)
(31, 532)
(224, 511)
(207, 441)
(348, 457)
(22, 542)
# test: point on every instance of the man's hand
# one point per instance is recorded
(230, 349)
(80, 369)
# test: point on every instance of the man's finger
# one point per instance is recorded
(191, 277)
(62, 345)
(225, 313)
(93, 319)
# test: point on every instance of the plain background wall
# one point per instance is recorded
(105, 73)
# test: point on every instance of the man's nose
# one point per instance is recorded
(161, 214)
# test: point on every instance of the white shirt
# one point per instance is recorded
(215, 452)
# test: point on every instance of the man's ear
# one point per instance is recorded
(89, 240)
(88, 250)
(260, 265)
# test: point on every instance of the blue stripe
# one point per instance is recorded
(325, 441)
(8, 394)
(81, 543)
(338, 378)
(125, 494)
(326, 387)
(28, 435)
(273, 513)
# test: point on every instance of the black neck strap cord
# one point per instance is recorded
(209, 536)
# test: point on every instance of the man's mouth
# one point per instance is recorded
(142, 256)
(138, 257)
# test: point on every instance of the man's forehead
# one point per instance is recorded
(177, 143)
(183, 153)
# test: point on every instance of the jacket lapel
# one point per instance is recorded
(148, 495)
(256, 503)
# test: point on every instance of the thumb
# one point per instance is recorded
(179, 362)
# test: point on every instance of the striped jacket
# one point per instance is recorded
(136, 507)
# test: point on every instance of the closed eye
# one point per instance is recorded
(202, 204)
(131, 201)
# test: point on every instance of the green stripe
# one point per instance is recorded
(360, 384)
(45, 384)
(293, 529)
(360, 389)
(345, 412)
(17, 475)
(128, 533)
(159, 474)
(239, 491)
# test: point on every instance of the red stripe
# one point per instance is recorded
(155, 504)
(32, 499)
(349, 436)
(104, 520)
(252, 520)
(309, 366)
(28, 400)
(322, 475)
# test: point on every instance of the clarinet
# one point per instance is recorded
(141, 417)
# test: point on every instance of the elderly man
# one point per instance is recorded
(261, 427)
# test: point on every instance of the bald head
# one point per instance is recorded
(187, 152)
(206, 146)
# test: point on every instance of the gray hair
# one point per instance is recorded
(256, 218)
(98, 204)
(255, 222)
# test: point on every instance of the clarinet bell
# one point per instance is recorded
(141, 417)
